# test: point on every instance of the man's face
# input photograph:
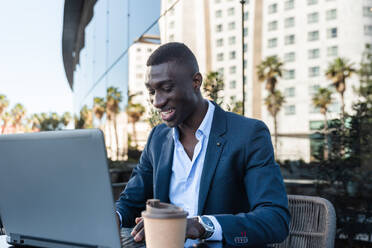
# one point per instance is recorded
(172, 91)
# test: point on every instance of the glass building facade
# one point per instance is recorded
(103, 58)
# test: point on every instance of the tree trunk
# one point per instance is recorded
(109, 134)
(342, 147)
(342, 107)
(4, 126)
(325, 151)
(134, 134)
(116, 138)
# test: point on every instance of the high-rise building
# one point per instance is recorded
(186, 22)
(306, 34)
(139, 52)
(96, 39)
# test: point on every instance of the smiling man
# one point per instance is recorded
(217, 165)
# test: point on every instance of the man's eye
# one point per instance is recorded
(168, 89)
(151, 92)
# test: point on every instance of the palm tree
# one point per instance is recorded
(321, 100)
(274, 102)
(4, 103)
(85, 120)
(35, 122)
(213, 85)
(235, 106)
(269, 70)
(99, 108)
(365, 75)
(86, 116)
(338, 71)
(65, 118)
(135, 112)
(18, 112)
(113, 99)
(6, 118)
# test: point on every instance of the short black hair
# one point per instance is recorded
(174, 52)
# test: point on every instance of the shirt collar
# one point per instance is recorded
(205, 126)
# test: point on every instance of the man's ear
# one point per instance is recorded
(197, 80)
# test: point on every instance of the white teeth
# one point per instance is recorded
(167, 112)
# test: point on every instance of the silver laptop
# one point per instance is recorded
(55, 190)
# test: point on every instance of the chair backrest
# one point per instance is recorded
(313, 223)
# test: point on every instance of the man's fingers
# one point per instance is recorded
(194, 229)
(138, 227)
(140, 235)
(138, 219)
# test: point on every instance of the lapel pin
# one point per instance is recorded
(218, 143)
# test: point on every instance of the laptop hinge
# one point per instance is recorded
(25, 240)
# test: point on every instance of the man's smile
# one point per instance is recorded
(168, 114)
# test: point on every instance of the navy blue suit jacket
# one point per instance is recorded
(241, 185)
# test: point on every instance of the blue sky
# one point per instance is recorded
(31, 67)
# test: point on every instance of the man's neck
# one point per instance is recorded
(191, 125)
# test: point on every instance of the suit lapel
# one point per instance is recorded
(214, 149)
(164, 171)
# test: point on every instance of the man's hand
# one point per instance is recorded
(138, 231)
(194, 229)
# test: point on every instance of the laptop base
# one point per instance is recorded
(19, 240)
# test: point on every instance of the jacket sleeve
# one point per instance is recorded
(139, 188)
(268, 219)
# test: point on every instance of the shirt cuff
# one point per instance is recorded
(121, 218)
(217, 235)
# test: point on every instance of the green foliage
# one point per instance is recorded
(351, 139)
(338, 71)
(113, 99)
(274, 102)
(235, 106)
(213, 85)
(18, 112)
(4, 103)
(269, 70)
(365, 75)
(355, 140)
(85, 119)
(134, 110)
(322, 99)
(50, 122)
(99, 107)
(154, 118)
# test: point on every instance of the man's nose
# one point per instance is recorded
(158, 100)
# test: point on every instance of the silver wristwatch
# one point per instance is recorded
(208, 226)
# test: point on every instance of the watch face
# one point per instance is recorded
(207, 222)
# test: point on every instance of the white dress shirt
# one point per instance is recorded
(186, 173)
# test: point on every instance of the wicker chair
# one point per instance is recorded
(313, 223)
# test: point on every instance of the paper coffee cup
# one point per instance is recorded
(165, 225)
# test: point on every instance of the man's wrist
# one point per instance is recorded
(207, 225)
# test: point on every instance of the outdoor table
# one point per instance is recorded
(127, 241)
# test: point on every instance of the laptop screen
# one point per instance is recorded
(56, 186)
